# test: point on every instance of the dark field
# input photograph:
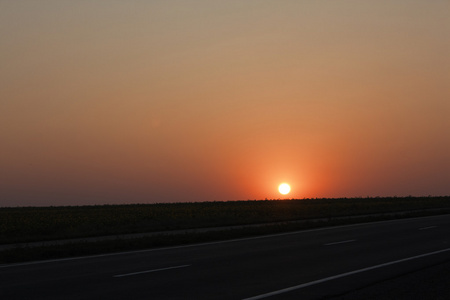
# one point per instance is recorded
(28, 224)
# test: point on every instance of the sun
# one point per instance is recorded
(284, 188)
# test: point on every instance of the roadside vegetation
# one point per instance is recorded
(31, 224)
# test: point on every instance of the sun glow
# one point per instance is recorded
(284, 188)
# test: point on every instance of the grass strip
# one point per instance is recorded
(28, 224)
(23, 254)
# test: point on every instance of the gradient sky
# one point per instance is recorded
(105, 102)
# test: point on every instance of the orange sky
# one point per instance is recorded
(169, 101)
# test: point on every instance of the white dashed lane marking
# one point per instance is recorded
(150, 271)
(341, 242)
(426, 228)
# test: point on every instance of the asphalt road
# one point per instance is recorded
(400, 259)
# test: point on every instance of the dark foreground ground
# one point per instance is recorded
(432, 282)
(395, 259)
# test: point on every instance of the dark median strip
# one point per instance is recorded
(109, 244)
(36, 224)
(309, 223)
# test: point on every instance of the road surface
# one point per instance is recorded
(399, 259)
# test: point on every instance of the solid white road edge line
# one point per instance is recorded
(300, 286)
(341, 242)
(150, 271)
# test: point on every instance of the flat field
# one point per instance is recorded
(20, 226)
(27, 224)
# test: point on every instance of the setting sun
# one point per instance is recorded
(284, 188)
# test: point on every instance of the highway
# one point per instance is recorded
(399, 259)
